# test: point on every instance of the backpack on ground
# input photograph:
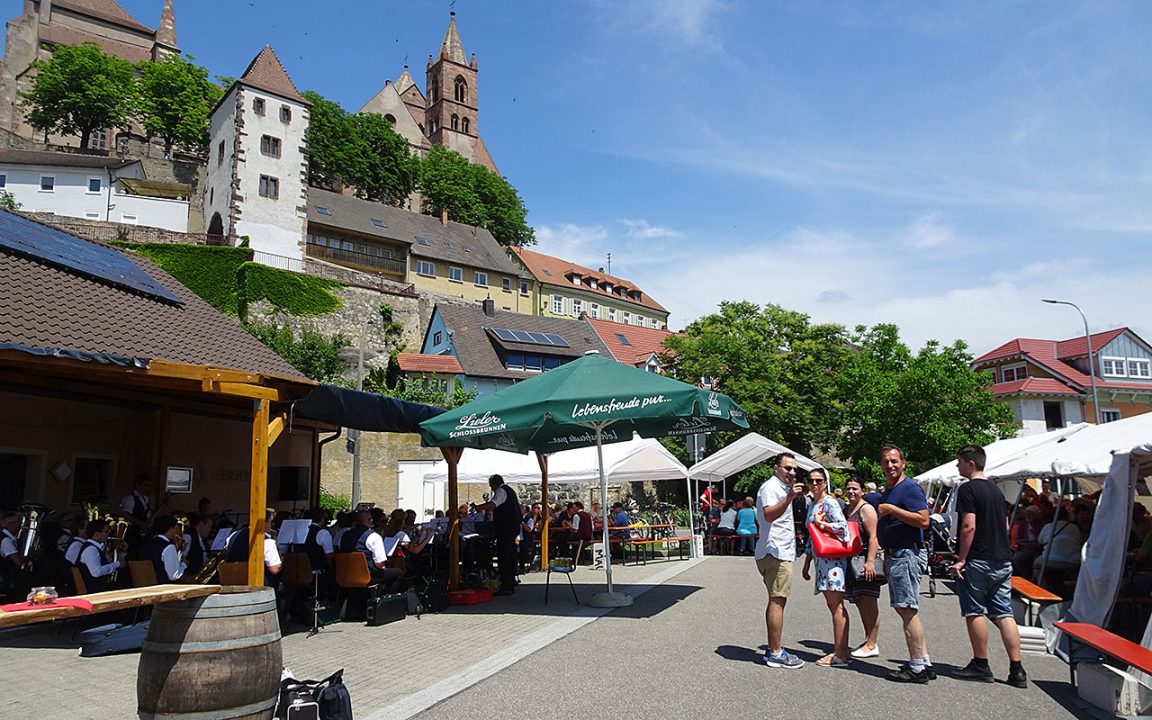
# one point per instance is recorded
(329, 696)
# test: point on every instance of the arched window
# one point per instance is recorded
(390, 118)
(434, 90)
(461, 93)
(455, 122)
(466, 125)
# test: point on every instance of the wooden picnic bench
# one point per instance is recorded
(644, 547)
(108, 602)
(1106, 643)
(1035, 594)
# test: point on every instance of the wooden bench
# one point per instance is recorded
(643, 547)
(107, 602)
(1105, 643)
(1034, 593)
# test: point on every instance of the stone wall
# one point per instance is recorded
(102, 231)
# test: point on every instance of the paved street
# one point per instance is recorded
(688, 648)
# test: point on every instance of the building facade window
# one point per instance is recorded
(455, 274)
(129, 219)
(285, 114)
(1113, 366)
(270, 187)
(557, 304)
(466, 125)
(437, 337)
(506, 284)
(455, 122)
(1139, 368)
(3, 180)
(258, 106)
(460, 89)
(47, 183)
(612, 314)
(423, 267)
(530, 362)
(523, 287)
(594, 311)
(1053, 415)
(480, 279)
(626, 317)
(220, 153)
(270, 146)
(1109, 415)
(1011, 373)
(98, 140)
(577, 307)
(94, 185)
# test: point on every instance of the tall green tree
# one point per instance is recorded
(81, 89)
(175, 101)
(779, 366)
(474, 195)
(930, 403)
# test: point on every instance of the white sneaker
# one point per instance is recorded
(860, 653)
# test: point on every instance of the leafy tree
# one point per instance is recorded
(7, 202)
(361, 151)
(776, 364)
(176, 101)
(334, 502)
(929, 403)
(79, 90)
(314, 355)
(474, 195)
(421, 390)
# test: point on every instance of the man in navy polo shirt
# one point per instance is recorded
(903, 512)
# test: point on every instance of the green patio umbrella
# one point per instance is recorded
(589, 401)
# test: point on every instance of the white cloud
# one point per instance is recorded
(690, 22)
(644, 230)
(927, 232)
(571, 241)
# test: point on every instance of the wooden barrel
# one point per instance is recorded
(212, 657)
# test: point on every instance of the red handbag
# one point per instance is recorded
(830, 546)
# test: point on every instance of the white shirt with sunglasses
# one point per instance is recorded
(777, 538)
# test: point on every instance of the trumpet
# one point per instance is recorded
(117, 534)
(181, 545)
(211, 565)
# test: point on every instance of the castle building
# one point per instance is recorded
(46, 24)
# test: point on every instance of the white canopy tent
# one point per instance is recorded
(999, 453)
(1086, 454)
(634, 461)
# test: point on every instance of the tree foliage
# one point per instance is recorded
(811, 386)
(361, 151)
(81, 89)
(175, 102)
(314, 355)
(474, 195)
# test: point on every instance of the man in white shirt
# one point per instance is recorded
(161, 550)
(11, 559)
(93, 562)
(775, 552)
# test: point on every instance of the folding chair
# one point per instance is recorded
(560, 565)
(143, 573)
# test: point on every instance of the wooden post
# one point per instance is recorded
(542, 461)
(452, 455)
(258, 493)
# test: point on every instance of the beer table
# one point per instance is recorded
(107, 602)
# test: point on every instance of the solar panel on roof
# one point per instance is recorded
(522, 336)
(540, 338)
(622, 339)
(504, 334)
(529, 337)
(378, 222)
(80, 257)
(421, 240)
(323, 210)
(556, 340)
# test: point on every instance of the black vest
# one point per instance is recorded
(139, 511)
(153, 551)
(238, 552)
(506, 516)
(353, 540)
(91, 583)
(82, 542)
(316, 554)
(196, 554)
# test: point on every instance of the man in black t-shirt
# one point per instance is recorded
(983, 569)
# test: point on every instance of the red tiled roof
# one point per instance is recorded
(1077, 347)
(419, 362)
(1033, 386)
(1041, 352)
(266, 73)
(642, 341)
(109, 10)
(554, 271)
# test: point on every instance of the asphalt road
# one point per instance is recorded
(691, 648)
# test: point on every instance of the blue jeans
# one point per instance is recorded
(986, 589)
(904, 567)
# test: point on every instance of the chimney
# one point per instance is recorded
(443, 217)
(489, 307)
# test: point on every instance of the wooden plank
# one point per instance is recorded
(1034, 592)
(275, 428)
(252, 391)
(453, 455)
(110, 601)
(1110, 644)
(258, 493)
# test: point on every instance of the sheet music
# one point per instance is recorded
(221, 539)
(390, 545)
(293, 532)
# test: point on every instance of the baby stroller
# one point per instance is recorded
(941, 551)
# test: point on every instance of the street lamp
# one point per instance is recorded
(1091, 360)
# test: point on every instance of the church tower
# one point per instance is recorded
(451, 117)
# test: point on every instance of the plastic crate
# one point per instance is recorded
(469, 597)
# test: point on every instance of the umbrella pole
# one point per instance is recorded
(542, 461)
(608, 598)
(452, 455)
(691, 522)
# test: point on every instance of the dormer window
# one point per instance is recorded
(575, 279)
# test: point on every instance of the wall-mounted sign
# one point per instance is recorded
(178, 480)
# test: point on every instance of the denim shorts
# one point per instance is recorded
(904, 567)
(986, 589)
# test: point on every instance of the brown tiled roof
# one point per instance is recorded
(109, 10)
(1077, 347)
(554, 271)
(642, 342)
(478, 351)
(9, 156)
(44, 306)
(419, 362)
(266, 73)
(57, 35)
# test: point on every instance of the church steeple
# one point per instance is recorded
(452, 49)
(165, 43)
(452, 104)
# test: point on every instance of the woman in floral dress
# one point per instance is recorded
(825, 515)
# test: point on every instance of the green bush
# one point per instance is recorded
(295, 294)
(334, 502)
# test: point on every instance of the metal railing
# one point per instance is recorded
(359, 259)
(279, 261)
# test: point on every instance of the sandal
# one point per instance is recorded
(832, 661)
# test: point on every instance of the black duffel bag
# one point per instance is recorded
(329, 696)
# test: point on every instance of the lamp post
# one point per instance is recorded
(1091, 357)
(358, 434)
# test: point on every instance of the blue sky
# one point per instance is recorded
(941, 166)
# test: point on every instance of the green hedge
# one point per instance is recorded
(301, 295)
